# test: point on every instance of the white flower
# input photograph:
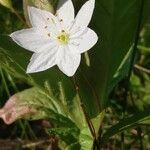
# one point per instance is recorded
(57, 39)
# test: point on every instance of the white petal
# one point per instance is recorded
(31, 39)
(89, 39)
(42, 61)
(42, 18)
(84, 16)
(65, 11)
(68, 61)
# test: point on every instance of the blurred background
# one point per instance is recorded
(31, 134)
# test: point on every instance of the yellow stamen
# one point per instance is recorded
(63, 38)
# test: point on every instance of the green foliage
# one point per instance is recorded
(102, 80)
(72, 126)
(125, 124)
(140, 92)
(56, 97)
(107, 56)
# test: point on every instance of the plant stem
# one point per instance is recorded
(139, 130)
(142, 68)
(91, 127)
(127, 80)
(4, 83)
(18, 16)
(122, 142)
(136, 37)
(12, 82)
(133, 58)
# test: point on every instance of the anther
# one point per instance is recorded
(49, 34)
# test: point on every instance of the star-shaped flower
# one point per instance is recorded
(57, 39)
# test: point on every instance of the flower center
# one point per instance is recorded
(63, 37)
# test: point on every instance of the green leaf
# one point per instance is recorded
(145, 122)
(112, 52)
(144, 49)
(68, 119)
(86, 139)
(96, 80)
(122, 70)
(97, 121)
(68, 135)
(110, 55)
(125, 124)
(146, 16)
(62, 89)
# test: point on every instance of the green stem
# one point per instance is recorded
(127, 81)
(18, 16)
(139, 130)
(23, 129)
(136, 37)
(122, 141)
(90, 124)
(30, 130)
(5, 83)
(12, 82)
